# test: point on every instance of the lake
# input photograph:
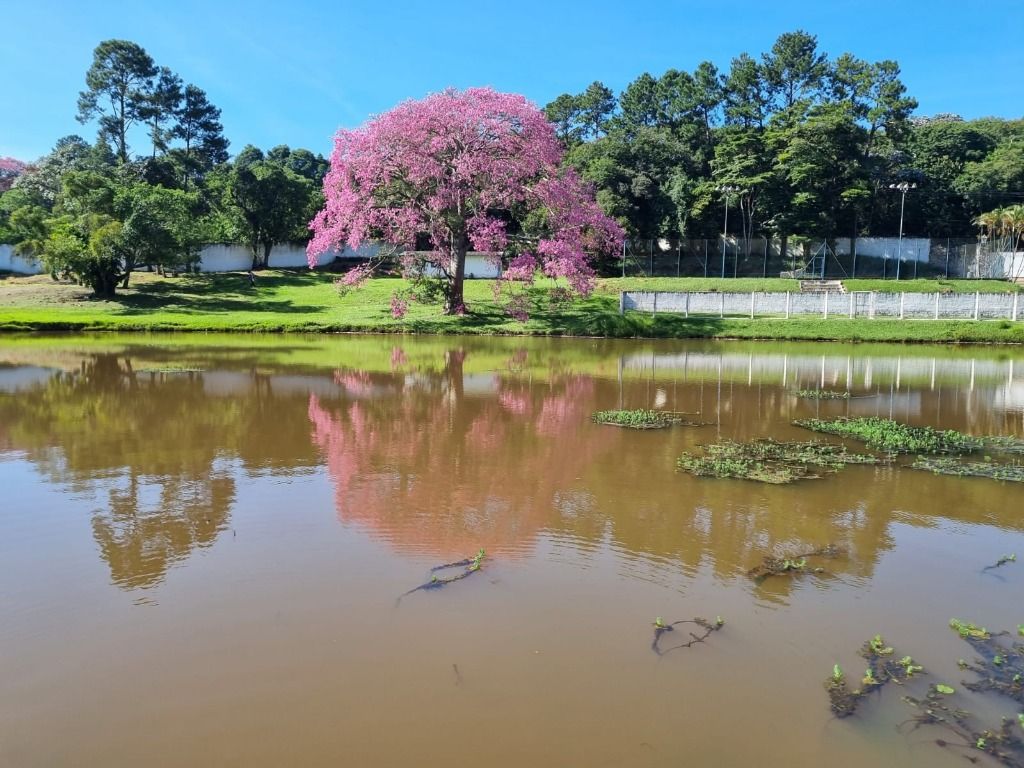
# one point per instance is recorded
(203, 542)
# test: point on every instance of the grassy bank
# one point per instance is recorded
(308, 302)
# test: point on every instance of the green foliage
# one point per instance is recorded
(1011, 473)
(969, 630)
(637, 419)
(888, 435)
(769, 461)
(117, 90)
(270, 202)
(822, 394)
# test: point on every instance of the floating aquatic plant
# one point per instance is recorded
(891, 436)
(638, 419)
(770, 461)
(881, 669)
(661, 628)
(794, 564)
(822, 394)
(1013, 473)
(967, 630)
(1004, 743)
(999, 666)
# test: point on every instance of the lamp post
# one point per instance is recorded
(903, 187)
(726, 190)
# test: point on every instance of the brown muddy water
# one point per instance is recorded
(202, 540)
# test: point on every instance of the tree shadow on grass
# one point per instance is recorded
(212, 294)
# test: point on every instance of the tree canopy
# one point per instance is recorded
(463, 168)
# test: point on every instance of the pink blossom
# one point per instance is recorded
(399, 306)
(10, 169)
(451, 167)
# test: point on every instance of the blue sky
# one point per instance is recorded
(294, 72)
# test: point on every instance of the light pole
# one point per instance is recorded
(726, 190)
(903, 187)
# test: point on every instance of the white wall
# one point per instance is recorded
(914, 248)
(1013, 266)
(217, 257)
(477, 265)
(11, 263)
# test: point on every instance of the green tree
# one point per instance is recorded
(564, 112)
(159, 105)
(596, 105)
(271, 203)
(117, 89)
(794, 71)
(198, 126)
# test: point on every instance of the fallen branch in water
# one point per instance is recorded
(471, 565)
(1001, 562)
(660, 628)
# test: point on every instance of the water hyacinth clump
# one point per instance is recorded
(944, 465)
(770, 461)
(999, 666)
(793, 565)
(883, 667)
(893, 437)
(638, 419)
(1005, 743)
(822, 394)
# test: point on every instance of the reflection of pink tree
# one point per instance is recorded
(429, 469)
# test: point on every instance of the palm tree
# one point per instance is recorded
(1012, 223)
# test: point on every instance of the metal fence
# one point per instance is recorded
(965, 258)
(825, 304)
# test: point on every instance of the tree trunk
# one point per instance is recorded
(254, 246)
(103, 284)
(453, 300)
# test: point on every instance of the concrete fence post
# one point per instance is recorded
(977, 305)
(686, 305)
(851, 306)
(871, 305)
(1013, 314)
(622, 302)
(721, 305)
(902, 297)
(787, 304)
(825, 307)
(655, 309)
(752, 294)
(936, 305)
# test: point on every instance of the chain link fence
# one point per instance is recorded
(886, 258)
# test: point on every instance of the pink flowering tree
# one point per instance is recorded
(10, 169)
(473, 169)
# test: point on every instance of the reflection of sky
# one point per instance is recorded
(21, 377)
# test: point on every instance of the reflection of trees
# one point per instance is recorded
(140, 544)
(448, 463)
(157, 444)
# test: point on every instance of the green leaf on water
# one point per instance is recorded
(944, 689)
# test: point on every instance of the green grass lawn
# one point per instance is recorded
(308, 301)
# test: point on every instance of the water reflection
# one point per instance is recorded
(453, 461)
(440, 447)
